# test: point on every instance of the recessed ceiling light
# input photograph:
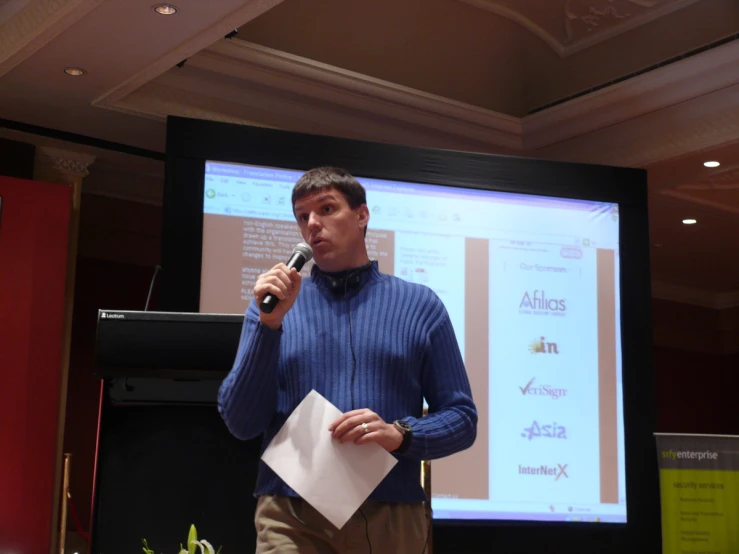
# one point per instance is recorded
(74, 71)
(712, 164)
(165, 9)
(690, 221)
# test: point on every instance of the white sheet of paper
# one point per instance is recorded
(332, 477)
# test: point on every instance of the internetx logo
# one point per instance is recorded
(557, 472)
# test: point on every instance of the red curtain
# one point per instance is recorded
(34, 229)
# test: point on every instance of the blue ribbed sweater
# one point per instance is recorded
(405, 349)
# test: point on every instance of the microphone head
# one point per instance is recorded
(305, 250)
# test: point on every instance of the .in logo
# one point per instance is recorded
(552, 431)
(540, 346)
(538, 304)
(556, 472)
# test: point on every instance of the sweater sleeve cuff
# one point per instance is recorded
(266, 345)
(417, 448)
(441, 434)
(267, 331)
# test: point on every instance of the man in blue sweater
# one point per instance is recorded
(373, 345)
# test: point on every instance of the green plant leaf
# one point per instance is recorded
(191, 538)
(146, 548)
(208, 547)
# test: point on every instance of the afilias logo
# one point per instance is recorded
(538, 303)
(552, 431)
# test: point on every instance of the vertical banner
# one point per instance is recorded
(34, 234)
(699, 486)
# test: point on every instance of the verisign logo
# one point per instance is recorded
(106, 315)
(542, 390)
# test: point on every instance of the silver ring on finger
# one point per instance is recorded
(365, 427)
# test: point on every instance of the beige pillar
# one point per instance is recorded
(54, 165)
(67, 168)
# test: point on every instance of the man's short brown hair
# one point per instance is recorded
(321, 178)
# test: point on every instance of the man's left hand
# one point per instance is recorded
(349, 427)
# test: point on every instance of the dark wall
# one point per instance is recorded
(16, 159)
(696, 391)
(118, 247)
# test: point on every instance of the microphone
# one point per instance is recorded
(157, 269)
(302, 253)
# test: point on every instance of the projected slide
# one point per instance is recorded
(531, 286)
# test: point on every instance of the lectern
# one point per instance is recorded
(162, 446)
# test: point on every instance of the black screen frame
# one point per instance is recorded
(191, 142)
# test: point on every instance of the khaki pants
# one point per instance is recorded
(288, 525)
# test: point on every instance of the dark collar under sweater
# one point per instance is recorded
(337, 280)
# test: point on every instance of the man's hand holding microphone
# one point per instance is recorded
(277, 289)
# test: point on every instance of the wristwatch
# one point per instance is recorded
(407, 431)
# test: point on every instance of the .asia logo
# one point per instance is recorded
(558, 471)
(552, 431)
(541, 346)
(542, 390)
(537, 303)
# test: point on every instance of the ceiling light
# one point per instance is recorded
(712, 164)
(74, 71)
(690, 221)
(165, 9)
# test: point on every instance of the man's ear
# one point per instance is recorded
(363, 215)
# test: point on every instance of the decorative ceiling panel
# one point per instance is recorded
(569, 26)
